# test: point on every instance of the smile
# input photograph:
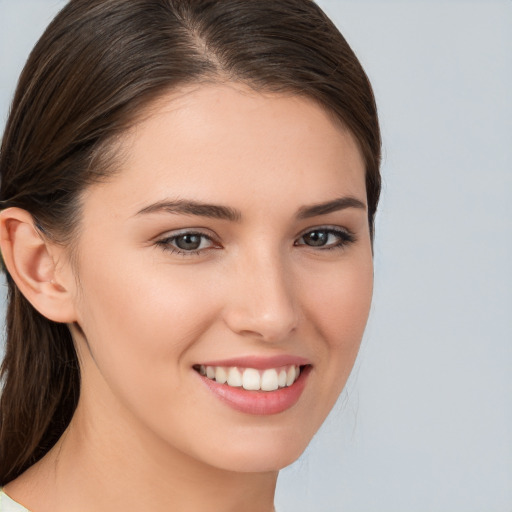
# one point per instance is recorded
(252, 379)
(257, 386)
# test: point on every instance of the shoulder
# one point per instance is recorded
(9, 505)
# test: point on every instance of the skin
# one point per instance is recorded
(145, 425)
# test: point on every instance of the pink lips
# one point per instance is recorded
(260, 363)
(259, 402)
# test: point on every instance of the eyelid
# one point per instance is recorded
(326, 227)
(346, 237)
(186, 231)
(165, 241)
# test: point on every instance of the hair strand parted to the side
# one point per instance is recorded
(99, 64)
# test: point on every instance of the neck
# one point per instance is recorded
(116, 468)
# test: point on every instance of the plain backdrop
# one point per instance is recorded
(425, 423)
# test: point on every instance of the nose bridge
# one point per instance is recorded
(263, 303)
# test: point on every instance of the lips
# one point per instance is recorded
(255, 385)
(252, 379)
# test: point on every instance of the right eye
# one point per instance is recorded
(186, 243)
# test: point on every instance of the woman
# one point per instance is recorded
(188, 192)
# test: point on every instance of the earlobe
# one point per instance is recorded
(32, 263)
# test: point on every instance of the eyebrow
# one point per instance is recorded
(186, 207)
(341, 203)
(214, 211)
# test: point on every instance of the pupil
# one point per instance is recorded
(188, 242)
(316, 238)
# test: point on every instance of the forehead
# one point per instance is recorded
(227, 143)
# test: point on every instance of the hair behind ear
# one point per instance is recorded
(40, 385)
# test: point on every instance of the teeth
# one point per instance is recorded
(281, 379)
(291, 376)
(234, 378)
(220, 375)
(269, 380)
(251, 378)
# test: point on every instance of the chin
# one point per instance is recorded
(268, 462)
(260, 452)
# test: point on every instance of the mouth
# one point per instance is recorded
(258, 388)
(252, 379)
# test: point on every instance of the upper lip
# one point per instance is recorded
(260, 362)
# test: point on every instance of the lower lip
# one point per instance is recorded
(259, 402)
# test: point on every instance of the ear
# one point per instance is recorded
(38, 267)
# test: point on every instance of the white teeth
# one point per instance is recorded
(290, 376)
(252, 379)
(221, 375)
(269, 380)
(281, 379)
(234, 378)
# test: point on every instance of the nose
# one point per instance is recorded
(262, 304)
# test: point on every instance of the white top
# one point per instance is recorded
(9, 505)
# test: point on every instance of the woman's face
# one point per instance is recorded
(234, 242)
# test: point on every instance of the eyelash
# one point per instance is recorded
(345, 238)
(166, 243)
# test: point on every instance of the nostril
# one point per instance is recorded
(262, 303)
(268, 326)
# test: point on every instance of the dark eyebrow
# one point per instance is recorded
(330, 206)
(185, 207)
(193, 208)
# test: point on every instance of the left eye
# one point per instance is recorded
(325, 238)
(186, 242)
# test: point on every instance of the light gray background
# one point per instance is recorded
(425, 423)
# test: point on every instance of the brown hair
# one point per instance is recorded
(99, 63)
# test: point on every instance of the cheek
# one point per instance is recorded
(338, 308)
(143, 298)
(335, 304)
(140, 320)
(340, 303)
